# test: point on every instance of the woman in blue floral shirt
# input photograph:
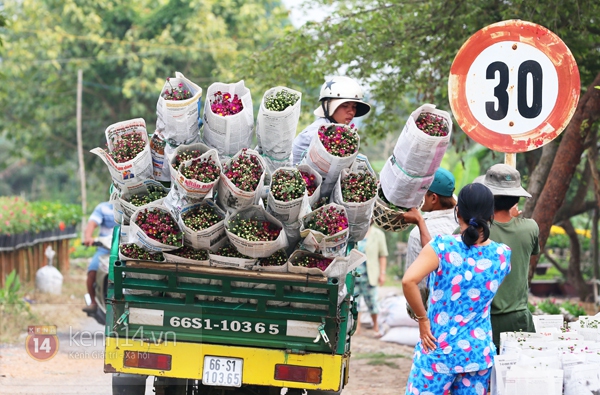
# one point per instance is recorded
(455, 354)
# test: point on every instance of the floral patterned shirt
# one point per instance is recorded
(461, 292)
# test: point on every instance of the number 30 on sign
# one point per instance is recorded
(513, 86)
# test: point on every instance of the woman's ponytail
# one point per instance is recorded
(476, 208)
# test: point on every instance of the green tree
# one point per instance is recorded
(403, 51)
(126, 49)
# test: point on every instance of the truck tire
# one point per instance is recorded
(171, 386)
(128, 384)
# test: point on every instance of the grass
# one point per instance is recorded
(62, 310)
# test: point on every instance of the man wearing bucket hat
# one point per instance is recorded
(509, 307)
(341, 100)
(438, 219)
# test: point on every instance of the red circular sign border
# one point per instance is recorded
(568, 85)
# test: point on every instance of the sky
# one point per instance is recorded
(299, 17)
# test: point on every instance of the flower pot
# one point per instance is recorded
(567, 289)
(542, 268)
(543, 288)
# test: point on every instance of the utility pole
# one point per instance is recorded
(80, 150)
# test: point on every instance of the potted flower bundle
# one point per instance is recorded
(409, 172)
(203, 225)
(276, 125)
(189, 255)
(128, 252)
(228, 118)
(255, 232)
(228, 256)
(154, 228)
(197, 177)
(275, 262)
(335, 149)
(184, 153)
(356, 190)
(287, 197)
(177, 119)
(313, 181)
(242, 180)
(148, 192)
(127, 154)
(325, 230)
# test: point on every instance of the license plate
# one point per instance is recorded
(225, 372)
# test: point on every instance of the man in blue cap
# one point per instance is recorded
(438, 218)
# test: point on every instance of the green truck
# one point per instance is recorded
(214, 330)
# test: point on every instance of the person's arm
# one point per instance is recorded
(88, 234)
(382, 269)
(413, 216)
(426, 262)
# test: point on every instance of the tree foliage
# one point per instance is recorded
(404, 48)
(126, 49)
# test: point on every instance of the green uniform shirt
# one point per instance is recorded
(521, 235)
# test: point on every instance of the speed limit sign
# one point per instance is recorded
(513, 86)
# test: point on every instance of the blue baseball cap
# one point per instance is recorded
(443, 183)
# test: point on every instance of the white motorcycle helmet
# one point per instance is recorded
(337, 90)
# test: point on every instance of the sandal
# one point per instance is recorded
(378, 335)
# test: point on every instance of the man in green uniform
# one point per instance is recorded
(509, 308)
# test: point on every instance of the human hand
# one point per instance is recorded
(412, 216)
(88, 241)
(381, 279)
(428, 341)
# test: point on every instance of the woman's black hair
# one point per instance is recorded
(476, 208)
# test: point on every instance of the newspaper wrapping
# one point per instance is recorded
(117, 209)
(211, 238)
(186, 191)
(315, 178)
(143, 276)
(172, 258)
(131, 173)
(255, 249)
(232, 198)
(160, 162)
(359, 214)
(338, 268)
(275, 130)
(161, 151)
(140, 238)
(289, 212)
(174, 160)
(386, 217)
(228, 134)
(328, 246)
(400, 188)
(231, 262)
(409, 172)
(147, 186)
(177, 122)
(273, 268)
(327, 165)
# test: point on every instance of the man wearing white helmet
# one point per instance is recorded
(341, 100)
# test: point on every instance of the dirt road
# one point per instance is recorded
(376, 367)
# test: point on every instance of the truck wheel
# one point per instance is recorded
(128, 384)
(170, 386)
